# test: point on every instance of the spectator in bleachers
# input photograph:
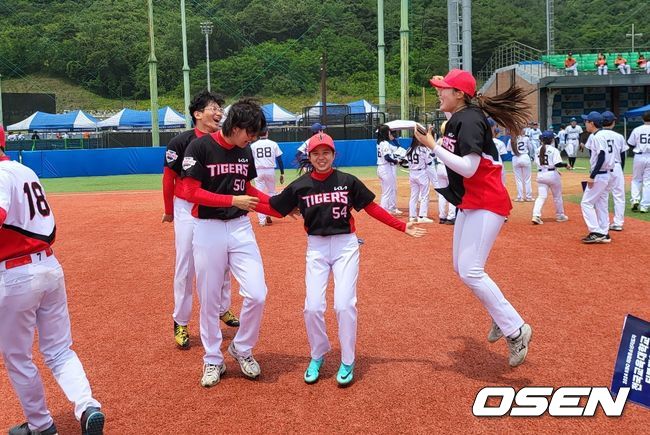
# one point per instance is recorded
(601, 64)
(643, 63)
(570, 65)
(621, 64)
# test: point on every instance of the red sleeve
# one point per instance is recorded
(265, 208)
(168, 183)
(383, 216)
(252, 191)
(197, 195)
(3, 216)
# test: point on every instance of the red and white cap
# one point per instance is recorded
(320, 139)
(457, 79)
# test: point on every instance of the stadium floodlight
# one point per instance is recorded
(206, 29)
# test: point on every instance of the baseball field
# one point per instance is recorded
(422, 353)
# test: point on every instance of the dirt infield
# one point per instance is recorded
(422, 349)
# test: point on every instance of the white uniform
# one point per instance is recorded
(387, 176)
(419, 181)
(265, 152)
(616, 179)
(561, 135)
(521, 167)
(640, 140)
(534, 134)
(594, 201)
(501, 149)
(572, 140)
(548, 178)
(33, 296)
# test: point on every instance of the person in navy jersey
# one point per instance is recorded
(326, 198)
(476, 189)
(206, 110)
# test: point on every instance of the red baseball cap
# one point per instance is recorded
(3, 140)
(320, 139)
(458, 79)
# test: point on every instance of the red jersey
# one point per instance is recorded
(468, 132)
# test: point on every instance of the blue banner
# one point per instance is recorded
(631, 368)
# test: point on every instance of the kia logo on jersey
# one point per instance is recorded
(188, 162)
(171, 156)
(341, 188)
(242, 160)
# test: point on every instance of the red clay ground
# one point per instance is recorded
(422, 352)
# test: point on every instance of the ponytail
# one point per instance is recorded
(542, 151)
(508, 109)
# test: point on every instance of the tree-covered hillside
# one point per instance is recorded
(272, 47)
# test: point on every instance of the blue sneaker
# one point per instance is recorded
(345, 375)
(312, 372)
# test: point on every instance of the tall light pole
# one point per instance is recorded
(381, 47)
(404, 57)
(153, 82)
(1, 118)
(186, 69)
(206, 28)
(633, 35)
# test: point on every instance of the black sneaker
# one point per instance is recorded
(635, 206)
(606, 239)
(442, 221)
(594, 238)
(451, 221)
(24, 429)
(92, 421)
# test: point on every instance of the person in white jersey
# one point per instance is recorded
(501, 147)
(521, 157)
(267, 154)
(534, 133)
(386, 170)
(548, 160)
(417, 156)
(594, 200)
(33, 297)
(616, 184)
(572, 132)
(640, 190)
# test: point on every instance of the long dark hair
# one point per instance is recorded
(542, 149)
(383, 133)
(414, 144)
(508, 109)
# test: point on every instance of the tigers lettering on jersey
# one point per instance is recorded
(325, 205)
(220, 169)
(29, 226)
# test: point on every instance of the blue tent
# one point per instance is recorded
(41, 121)
(362, 106)
(637, 112)
(275, 114)
(141, 119)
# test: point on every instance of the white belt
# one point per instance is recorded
(25, 259)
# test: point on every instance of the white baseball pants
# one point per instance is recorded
(474, 234)
(446, 210)
(388, 178)
(219, 245)
(624, 69)
(419, 181)
(641, 179)
(617, 187)
(549, 180)
(594, 205)
(521, 168)
(602, 70)
(571, 149)
(338, 254)
(33, 297)
(572, 70)
(265, 182)
(184, 224)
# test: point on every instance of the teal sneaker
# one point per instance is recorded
(312, 372)
(345, 375)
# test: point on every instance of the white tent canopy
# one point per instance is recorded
(42, 121)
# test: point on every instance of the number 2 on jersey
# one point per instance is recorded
(35, 196)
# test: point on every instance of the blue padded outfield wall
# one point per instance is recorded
(149, 160)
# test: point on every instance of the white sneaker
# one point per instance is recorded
(425, 220)
(519, 346)
(643, 209)
(615, 227)
(562, 218)
(396, 212)
(212, 374)
(495, 333)
(413, 219)
(263, 223)
(537, 220)
(249, 366)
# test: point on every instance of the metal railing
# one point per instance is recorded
(514, 53)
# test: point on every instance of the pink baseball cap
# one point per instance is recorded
(458, 79)
(3, 139)
(320, 139)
